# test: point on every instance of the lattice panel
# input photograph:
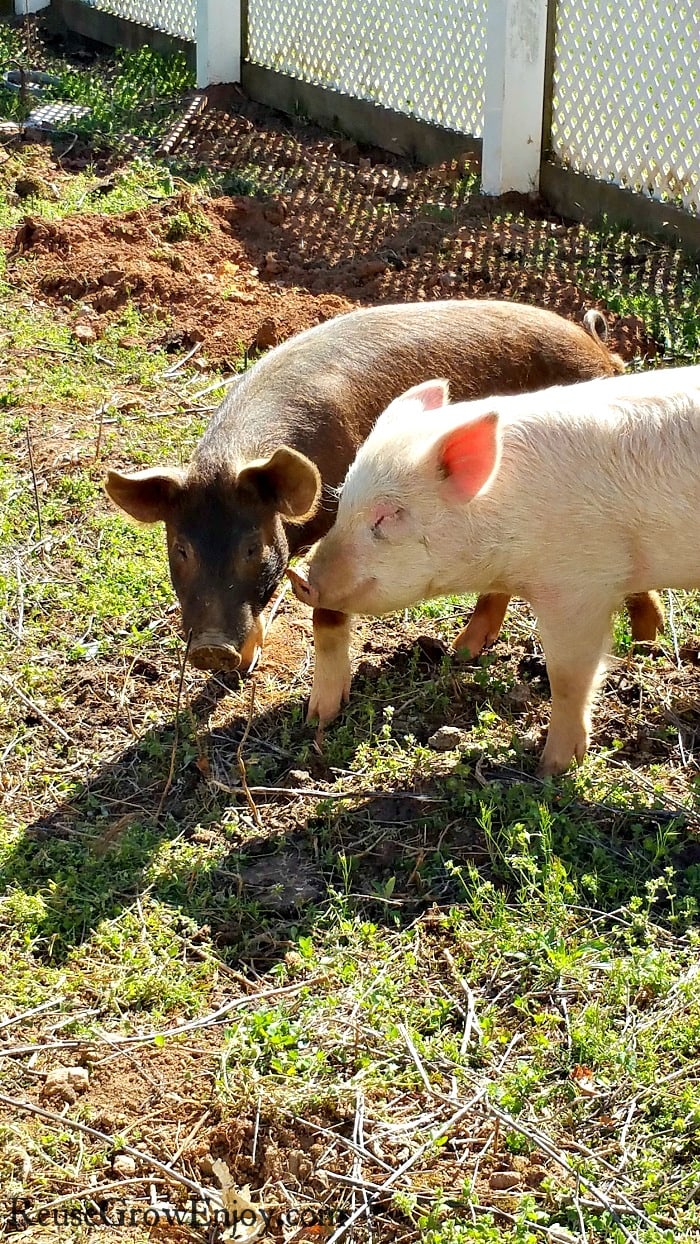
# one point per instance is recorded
(626, 105)
(423, 58)
(175, 17)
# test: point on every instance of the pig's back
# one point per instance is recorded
(611, 471)
(322, 391)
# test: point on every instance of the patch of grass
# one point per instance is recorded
(186, 224)
(130, 93)
(136, 186)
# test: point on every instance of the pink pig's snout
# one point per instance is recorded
(302, 589)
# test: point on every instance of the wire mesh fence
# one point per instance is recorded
(626, 95)
(425, 59)
(174, 17)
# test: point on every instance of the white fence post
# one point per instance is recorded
(23, 7)
(516, 32)
(218, 41)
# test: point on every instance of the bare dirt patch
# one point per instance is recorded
(322, 227)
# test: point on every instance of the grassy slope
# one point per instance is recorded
(535, 944)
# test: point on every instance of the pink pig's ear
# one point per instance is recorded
(432, 394)
(469, 456)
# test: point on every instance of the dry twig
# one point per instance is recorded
(15, 1103)
(241, 763)
(176, 733)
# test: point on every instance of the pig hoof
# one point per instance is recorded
(326, 703)
(647, 617)
(556, 760)
(552, 768)
(474, 638)
(323, 711)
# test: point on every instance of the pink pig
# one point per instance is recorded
(570, 498)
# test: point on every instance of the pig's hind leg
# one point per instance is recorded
(332, 673)
(646, 616)
(575, 641)
(483, 628)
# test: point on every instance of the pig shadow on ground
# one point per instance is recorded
(89, 858)
(399, 845)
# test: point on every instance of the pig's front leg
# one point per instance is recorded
(575, 643)
(332, 676)
(484, 625)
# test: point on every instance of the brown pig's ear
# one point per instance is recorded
(148, 496)
(290, 479)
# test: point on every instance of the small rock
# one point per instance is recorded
(371, 267)
(271, 265)
(20, 1160)
(520, 696)
(502, 1180)
(275, 212)
(85, 334)
(123, 1164)
(66, 1082)
(447, 738)
(113, 276)
(267, 335)
(297, 777)
(431, 648)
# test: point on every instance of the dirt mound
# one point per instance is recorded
(199, 262)
(247, 271)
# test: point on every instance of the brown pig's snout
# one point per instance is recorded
(303, 590)
(213, 652)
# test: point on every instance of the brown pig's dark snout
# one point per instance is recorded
(213, 652)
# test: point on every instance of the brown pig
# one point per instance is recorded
(569, 498)
(247, 501)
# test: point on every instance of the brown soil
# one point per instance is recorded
(326, 229)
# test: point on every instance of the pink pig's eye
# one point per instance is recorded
(383, 519)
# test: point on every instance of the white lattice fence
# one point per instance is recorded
(175, 17)
(425, 58)
(626, 103)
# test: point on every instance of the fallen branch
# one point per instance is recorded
(176, 734)
(35, 709)
(215, 1017)
(241, 763)
(15, 1103)
(314, 792)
